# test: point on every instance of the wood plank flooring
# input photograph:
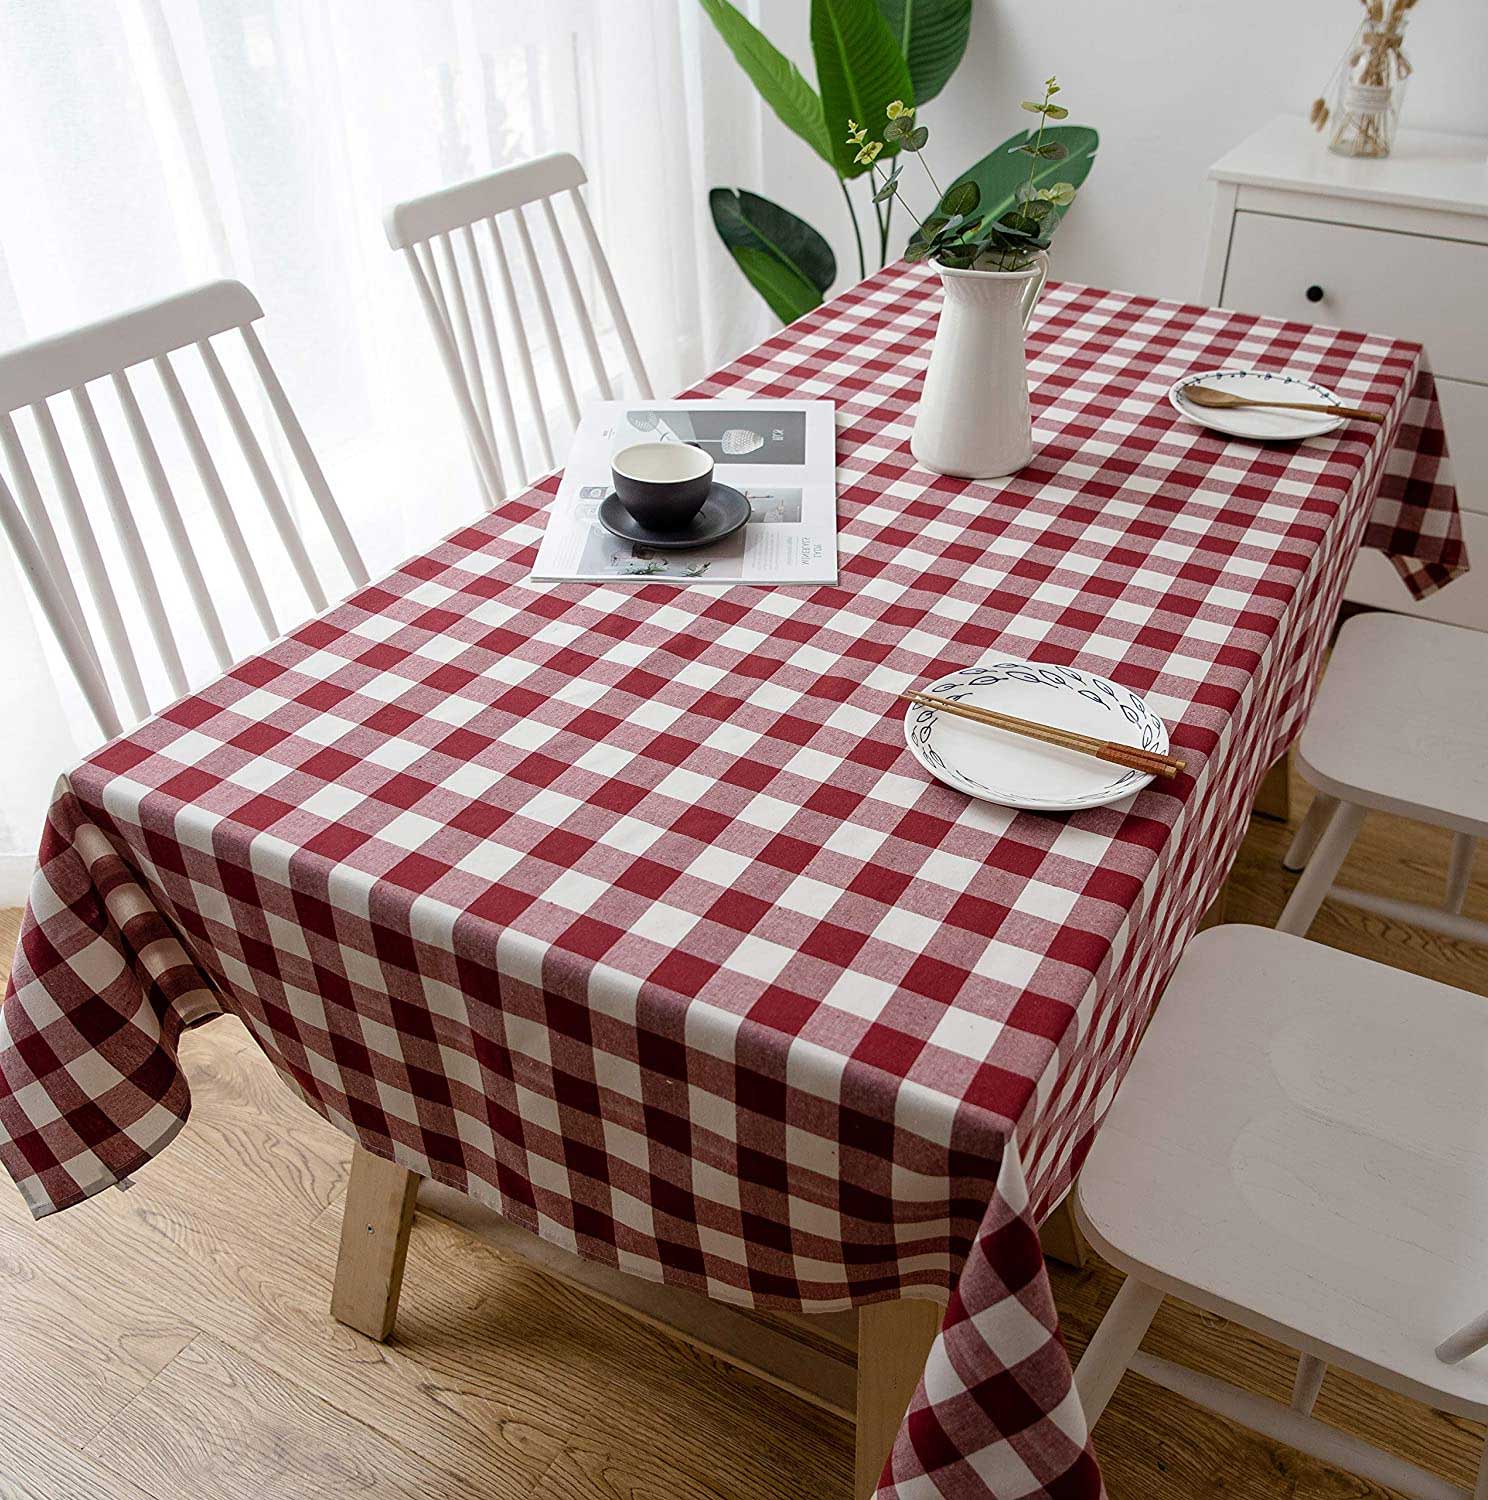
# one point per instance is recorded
(173, 1342)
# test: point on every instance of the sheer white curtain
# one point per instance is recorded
(153, 144)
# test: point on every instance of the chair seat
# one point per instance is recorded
(1302, 1145)
(1400, 721)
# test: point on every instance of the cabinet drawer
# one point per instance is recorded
(1464, 601)
(1407, 285)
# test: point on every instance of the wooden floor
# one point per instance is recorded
(174, 1341)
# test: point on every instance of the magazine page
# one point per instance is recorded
(780, 455)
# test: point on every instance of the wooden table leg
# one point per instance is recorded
(894, 1339)
(1060, 1236)
(1216, 913)
(374, 1244)
(1273, 798)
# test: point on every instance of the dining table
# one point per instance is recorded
(624, 908)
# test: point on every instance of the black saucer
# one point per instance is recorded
(723, 513)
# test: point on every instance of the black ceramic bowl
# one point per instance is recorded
(663, 485)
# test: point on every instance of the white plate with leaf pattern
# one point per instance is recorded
(1263, 424)
(1017, 772)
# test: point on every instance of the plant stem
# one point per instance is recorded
(920, 157)
(857, 233)
(1038, 140)
(889, 214)
(888, 221)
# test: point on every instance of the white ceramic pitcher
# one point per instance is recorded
(973, 418)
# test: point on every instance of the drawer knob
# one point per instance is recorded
(1314, 293)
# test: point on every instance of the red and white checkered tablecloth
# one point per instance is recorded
(626, 909)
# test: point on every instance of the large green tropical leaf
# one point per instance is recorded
(1000, 174)
(932, 36)
(787, 262)
(776, 77)
(861, 71)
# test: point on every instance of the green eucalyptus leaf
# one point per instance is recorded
(898, 128)
(887, 191)
(861, 72)
(1052, 151)
(787, 262)
(915, 140)
(1037, 209)
(1062, 194)
(961, 199)
(999, 174)
(1056, 112)
(932, 36)
(778, 79)
(1032, 108)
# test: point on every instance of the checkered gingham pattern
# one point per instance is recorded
(625, 908)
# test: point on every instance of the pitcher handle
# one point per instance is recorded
(1034, 289)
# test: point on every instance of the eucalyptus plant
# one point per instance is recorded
(961, 232)
(868, 55)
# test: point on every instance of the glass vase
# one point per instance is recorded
(1369, 92)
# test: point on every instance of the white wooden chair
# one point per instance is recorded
(438, 237)
(1300, 1147)
(40, 527)
(1399, 725)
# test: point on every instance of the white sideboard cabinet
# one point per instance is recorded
(1397, 246)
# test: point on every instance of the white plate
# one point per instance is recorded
(1254, 421)
(1017, 772)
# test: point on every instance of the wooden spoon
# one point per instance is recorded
(1205, 395)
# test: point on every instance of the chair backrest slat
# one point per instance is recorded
(611, 292)
(524, 327)
(576, 301)
(136, 556)
(524, 348)
(465, 343)
(113, 535)
(263, 475)
(510, 427)
(170, 516)
(76, 645)
(485, 461)
(211, 483)
(95, 575)
(33, 514)
(545, 312)
(304, 456)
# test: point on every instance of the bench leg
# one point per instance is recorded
(894, 1339)
(1311, 829)
(1112, 1345)
(374, 1244)
(1312, 888)
(1309, 1381)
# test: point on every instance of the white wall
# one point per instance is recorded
(1170, 84)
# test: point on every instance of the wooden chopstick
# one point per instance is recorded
(1151, 761)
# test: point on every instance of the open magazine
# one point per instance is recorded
(781, 455)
